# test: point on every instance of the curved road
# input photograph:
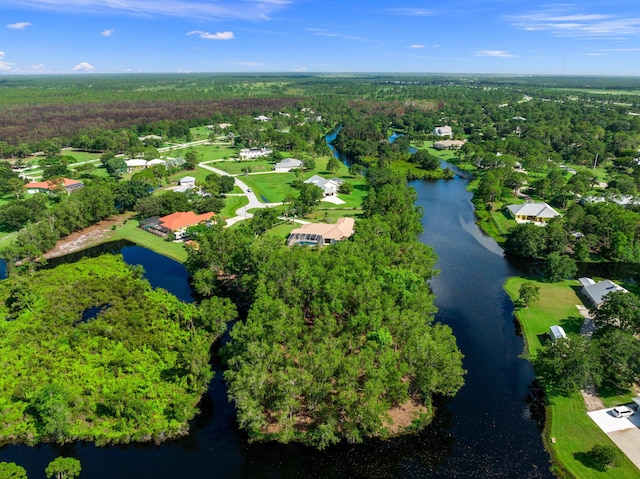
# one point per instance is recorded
(254, 202)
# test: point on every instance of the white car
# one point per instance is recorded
(249, 190)
(622, 411)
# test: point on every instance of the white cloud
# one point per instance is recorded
(563, 21)
(416, 45)
(212, 36)
(84, 67)
(411, 12)
(247, 64)
(494, 53)
(323, 33)
(19, 25)
(107, 33)
(300, 69)
(221, 9)
(5, 66)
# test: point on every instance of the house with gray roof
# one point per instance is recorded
(329, 187)
(287, 164)
(443, 131)
(595, 293)
(537, 213)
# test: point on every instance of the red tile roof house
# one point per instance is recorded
(176, 223)
(51, 186)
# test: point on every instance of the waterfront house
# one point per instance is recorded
(176, 223)
(448, 144)
(595, 293)
(537, 213)
(318, 234)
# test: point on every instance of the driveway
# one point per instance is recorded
(623, 431)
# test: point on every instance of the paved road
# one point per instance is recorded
(254, 202)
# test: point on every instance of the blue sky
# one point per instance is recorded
(473, 36)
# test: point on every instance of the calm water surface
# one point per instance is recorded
(485, 432)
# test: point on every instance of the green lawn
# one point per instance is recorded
(131, 232)
(82, 155)
(207, 151)
(332, 215)
(282, 230)
(235, 167)
(567, 423)
(557, 305)
(232, 203)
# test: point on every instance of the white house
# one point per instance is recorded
(595, 293)
(443, 131)
(262, 118)
(156, 161)
(252, 153)
(187, 181)
(134, 164)
(329, 187)
(287, 164)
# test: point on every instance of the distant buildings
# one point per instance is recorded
(51, 186)
(318, 234)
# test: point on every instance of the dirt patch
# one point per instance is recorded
(591, 399)
(402, 415)
(91, 236)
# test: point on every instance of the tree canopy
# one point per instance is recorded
(97, 354)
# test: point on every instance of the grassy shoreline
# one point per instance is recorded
(568, 431)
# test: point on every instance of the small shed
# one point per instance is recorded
(556, 332)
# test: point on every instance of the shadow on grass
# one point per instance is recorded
(587, 460)
(572, 324)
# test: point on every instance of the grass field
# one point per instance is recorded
(567, 423)
(235, 167)
(131, 232)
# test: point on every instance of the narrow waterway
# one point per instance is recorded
(486, 431)
(495, 434)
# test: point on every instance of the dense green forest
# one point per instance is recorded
(90, 351)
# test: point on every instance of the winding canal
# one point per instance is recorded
(486, 431)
